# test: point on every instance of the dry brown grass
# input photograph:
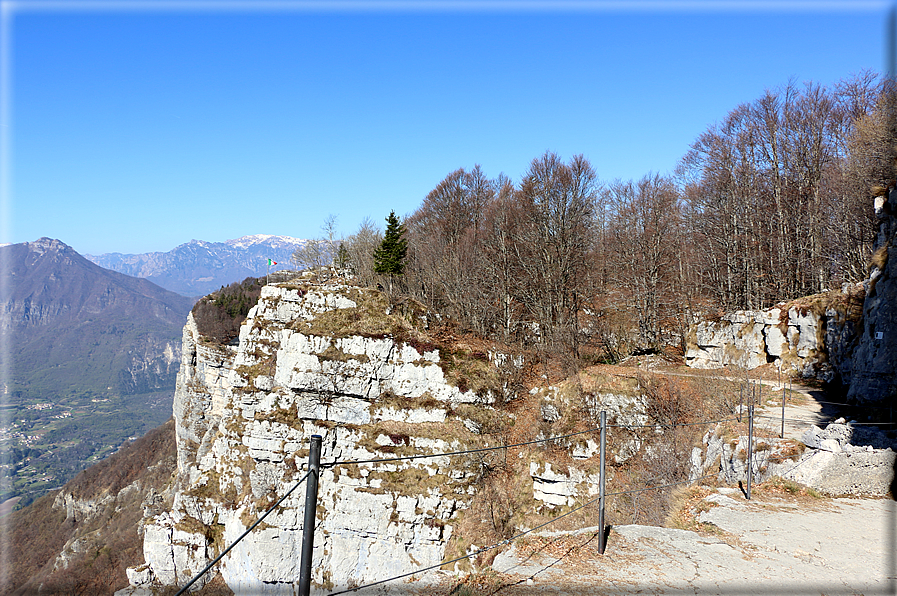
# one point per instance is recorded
(880, 257)
(686, 505)
(781, 487)
(369, 318)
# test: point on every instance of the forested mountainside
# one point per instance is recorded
(93, 356)
(197, 268)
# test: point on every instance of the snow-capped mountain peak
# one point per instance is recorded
(247, 241)
(199, 267)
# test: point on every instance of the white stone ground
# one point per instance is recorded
(767, 546)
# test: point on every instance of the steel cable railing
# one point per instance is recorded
(512, 445)
(801, 420)
(465, 452)
(243, 535)
(495, 448)
(662, 425)
(515, 537)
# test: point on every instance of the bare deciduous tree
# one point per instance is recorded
(360, 248)
(558, 204)
(319, 253)
(646, 230)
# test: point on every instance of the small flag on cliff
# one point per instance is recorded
(268, 271)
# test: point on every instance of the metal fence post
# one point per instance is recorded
(750, 449)
(783, 412)
(311, 505)
(602, 534)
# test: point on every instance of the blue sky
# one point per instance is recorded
(134, 127)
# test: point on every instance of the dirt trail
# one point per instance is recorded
(770, 545)
(804, 406)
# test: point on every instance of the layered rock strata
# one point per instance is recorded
(875, 359)
(815, 341)
(339, 362)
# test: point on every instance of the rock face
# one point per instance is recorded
(796, 337)
(244, 418)
(338, 362)
(842, 459)
(875, 359)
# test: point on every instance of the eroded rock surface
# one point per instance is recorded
(840, 460)
(795, 338)
(338, 362)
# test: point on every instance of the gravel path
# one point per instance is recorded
(768, 546)
(812, 409)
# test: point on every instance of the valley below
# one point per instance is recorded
(50, 440)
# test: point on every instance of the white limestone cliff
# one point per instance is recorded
(813, 340)
(338, 362)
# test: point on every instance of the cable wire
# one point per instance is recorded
(851, 423)
(632, 426)
(480, 450)
(473, 554)
(243, 535)
(515, 537)
(646, 489)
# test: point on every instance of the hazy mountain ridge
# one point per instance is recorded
(94, 355)
(50, 280)
(58, 302)
(197, 268)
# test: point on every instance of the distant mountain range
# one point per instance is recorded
(198, 268)
(93, 358)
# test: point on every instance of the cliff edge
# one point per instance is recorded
(340, 362)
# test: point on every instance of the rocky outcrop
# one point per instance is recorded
(842, 459)
(342, 363)
(555, 488)
(813, 336)
(875, 358)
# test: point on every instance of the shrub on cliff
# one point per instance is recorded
(218, 316)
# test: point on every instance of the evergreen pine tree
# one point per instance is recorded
(342, 257)
(389, 257)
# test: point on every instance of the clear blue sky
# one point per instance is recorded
(133, 127)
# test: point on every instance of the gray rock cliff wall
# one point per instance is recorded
(875, 358)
